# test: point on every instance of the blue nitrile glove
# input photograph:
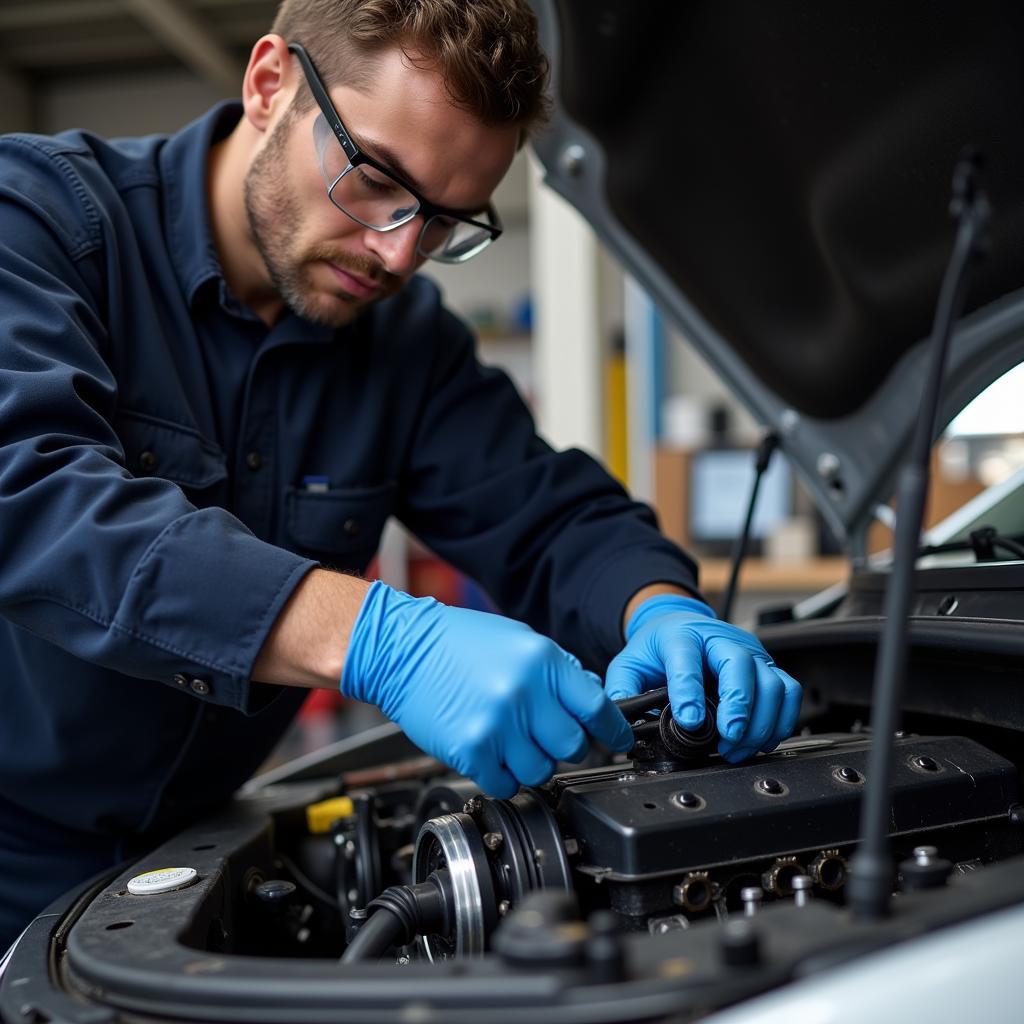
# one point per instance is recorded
(673, 638)
(485, 694)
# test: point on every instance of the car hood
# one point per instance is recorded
(778, 177)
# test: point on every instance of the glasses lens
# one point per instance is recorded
(453, 241)
(331, 156)
(365, 193)
(372, 197)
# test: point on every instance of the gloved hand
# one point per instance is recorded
(485, 694)
(673, 638)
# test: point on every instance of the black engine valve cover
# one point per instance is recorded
(632, 826)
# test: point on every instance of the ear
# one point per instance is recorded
(269, 81)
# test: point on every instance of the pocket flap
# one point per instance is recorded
(340, 519)
(156, 447)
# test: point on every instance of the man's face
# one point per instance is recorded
(326, 266)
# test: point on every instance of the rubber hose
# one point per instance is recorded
(381, 931)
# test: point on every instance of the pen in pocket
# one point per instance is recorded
(316, 484)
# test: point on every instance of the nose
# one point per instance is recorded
(396, 249)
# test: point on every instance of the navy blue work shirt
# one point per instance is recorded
(154, 439)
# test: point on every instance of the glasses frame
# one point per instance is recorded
(356, 157)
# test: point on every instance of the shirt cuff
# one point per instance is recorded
(201, 602)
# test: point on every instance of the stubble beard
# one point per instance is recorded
(273, 215)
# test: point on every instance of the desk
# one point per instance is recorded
(761, 575)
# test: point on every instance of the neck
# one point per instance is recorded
(244, 269)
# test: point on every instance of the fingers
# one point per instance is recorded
(559, 735)
(477, 756)
(768, 698)
(737, 683)
(683, 659)
(582, 695)
(495, 781)
(527, 763)
(628, 676)
(792, 696)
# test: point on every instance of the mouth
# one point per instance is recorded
(360, 287)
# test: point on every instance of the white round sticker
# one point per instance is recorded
(162, 880)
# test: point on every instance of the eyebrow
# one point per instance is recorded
(387, 156)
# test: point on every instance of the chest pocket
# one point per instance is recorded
(159, 448)
(340, 527)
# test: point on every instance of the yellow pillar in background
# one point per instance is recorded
(616, 424)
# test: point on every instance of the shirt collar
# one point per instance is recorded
(184, 169)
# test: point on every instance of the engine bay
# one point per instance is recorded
(664, 847)
(647, 887)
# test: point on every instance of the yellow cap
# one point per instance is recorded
(320, 817)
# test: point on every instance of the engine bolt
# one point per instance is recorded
(851, 775)
(504, 906)
(571, 846)
(493, 840)
(772, 787)
(473, 805)
(925, 763)
(925, 869)
(690, 801)
(664, 925)
(751, 895)
(802, 885)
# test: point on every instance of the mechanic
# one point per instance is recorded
(219, 376)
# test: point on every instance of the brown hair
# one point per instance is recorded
(486, 51)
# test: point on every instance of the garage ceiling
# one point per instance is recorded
(41, 40)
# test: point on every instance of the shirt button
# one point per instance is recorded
(200, 686)
(351, 527)
(254, 460)
(147, 462)
(179, 680)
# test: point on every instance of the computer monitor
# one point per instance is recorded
(719, 491)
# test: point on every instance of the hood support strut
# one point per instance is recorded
(871, 869)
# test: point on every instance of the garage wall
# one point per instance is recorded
(160, 102)
(15, 103)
